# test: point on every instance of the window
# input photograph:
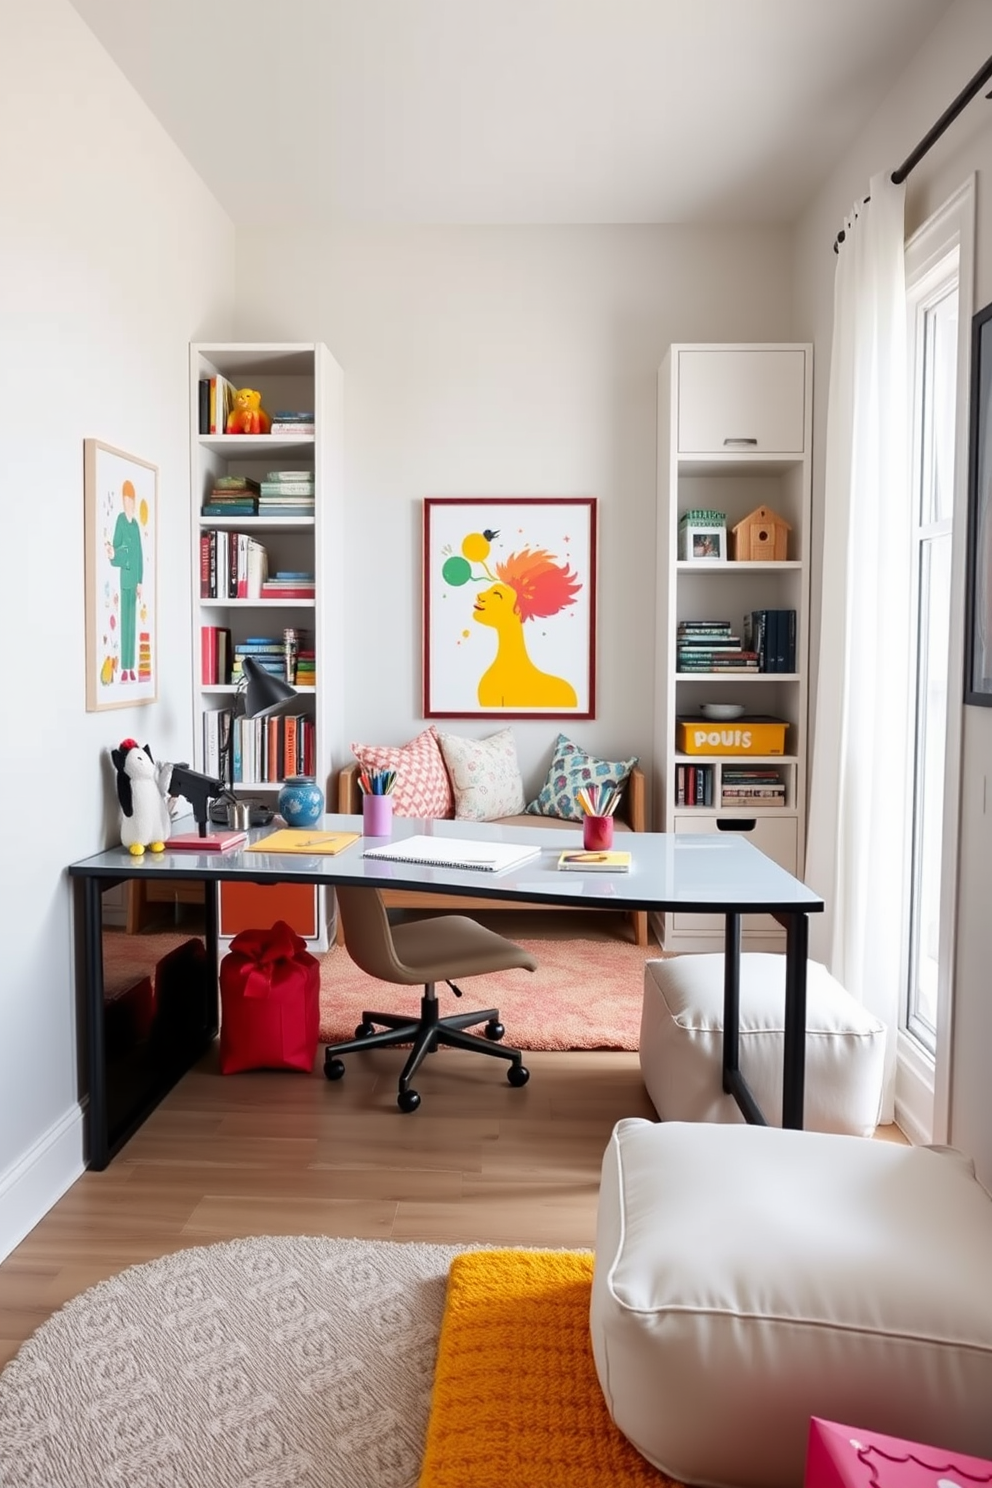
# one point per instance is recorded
(934, 340)
(938, 284)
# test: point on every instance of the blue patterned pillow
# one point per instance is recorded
(571, 769)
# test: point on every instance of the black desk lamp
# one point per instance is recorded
(264, 694)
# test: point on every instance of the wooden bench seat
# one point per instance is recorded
(630, 817)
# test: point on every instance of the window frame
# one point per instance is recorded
(923, 1084)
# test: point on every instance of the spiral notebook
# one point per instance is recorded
(449, 852)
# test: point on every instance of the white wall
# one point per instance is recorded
(504, 361)
(112, 257)
(955, 51)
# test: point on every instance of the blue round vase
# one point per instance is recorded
(301, 801)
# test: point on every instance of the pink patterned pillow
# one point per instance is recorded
(422, 786)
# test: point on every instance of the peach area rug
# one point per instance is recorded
(585, 994)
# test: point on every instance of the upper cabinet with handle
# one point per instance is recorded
(736, 401)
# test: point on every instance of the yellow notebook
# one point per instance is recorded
(299, 840)
(594, 862)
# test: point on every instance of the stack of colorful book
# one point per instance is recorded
(287, 493)
(267, 651)
(757, 786)
(306, 669)
(232, 496)
(711, 646)
(293, 421)
(289, 584)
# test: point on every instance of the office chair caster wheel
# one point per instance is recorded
(518, 1074)
(334, 1069)
(494, 1031)
(408, 1100)
(365, 1030)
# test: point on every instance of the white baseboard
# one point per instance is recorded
(30, 1186)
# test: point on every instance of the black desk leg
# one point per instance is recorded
(211, 893)
(98, 1155)
(734, 1082)
(794, 1071)
(731, 999)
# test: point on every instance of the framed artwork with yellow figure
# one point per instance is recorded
(121, 516)
(510, 607)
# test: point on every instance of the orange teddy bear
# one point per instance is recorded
(248, 416)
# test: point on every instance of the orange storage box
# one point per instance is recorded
(758, 735)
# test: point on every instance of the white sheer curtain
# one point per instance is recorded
(857, 818)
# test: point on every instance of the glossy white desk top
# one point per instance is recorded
(710, 872)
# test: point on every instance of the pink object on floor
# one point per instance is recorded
(848, 1457)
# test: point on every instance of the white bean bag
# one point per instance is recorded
(681, 1047)
(748, 1278)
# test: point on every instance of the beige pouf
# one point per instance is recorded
(747, 1278)
(681, 1046)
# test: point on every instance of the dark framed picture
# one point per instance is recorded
(509, 607)
(978, 615)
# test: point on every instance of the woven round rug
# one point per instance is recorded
(274, 1362)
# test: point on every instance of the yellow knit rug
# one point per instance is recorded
(516, 1398)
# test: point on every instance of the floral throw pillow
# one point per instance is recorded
(485, 776)
(422, 786)
(571, 769)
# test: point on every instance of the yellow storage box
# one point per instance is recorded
(739, 736)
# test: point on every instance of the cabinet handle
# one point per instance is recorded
(743, 439)
(736, 824)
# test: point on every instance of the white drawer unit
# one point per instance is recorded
(777, 837)
(741, 401)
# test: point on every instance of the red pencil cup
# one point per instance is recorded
(597, 833)
(377, 816)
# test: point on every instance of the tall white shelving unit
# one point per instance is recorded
(289, 375)
(734, 434)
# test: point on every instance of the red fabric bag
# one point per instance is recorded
(270, 1002)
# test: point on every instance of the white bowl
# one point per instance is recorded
(721, 710)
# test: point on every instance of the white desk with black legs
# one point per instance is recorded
(705, 874)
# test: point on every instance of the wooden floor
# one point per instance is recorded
(281, 1153)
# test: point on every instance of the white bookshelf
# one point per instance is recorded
(734, 434)
(289, 375)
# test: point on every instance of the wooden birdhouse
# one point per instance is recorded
(761, 537)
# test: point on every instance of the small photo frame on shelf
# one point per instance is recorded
(703, 537)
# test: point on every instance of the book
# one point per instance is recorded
(449, 852)
(212, 842)
(287, 488)
(594, 862)
(227, 483)
(300, 840)
(229, 509)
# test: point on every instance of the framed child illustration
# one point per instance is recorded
(509, 607)
(121, 515)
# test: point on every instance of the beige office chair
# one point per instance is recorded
(423, 952)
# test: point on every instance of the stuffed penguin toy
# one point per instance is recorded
(142, 790)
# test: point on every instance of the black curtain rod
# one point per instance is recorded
(933, 135)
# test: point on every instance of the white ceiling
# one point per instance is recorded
(513, 111)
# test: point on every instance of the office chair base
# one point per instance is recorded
(425, 1034)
